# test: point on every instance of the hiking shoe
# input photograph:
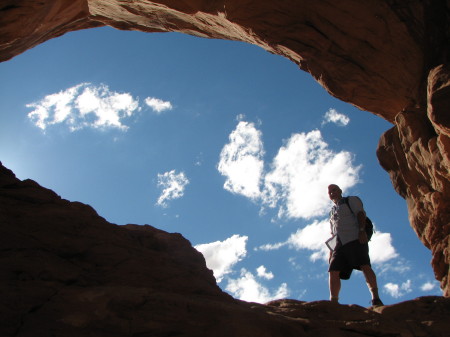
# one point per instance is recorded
(377, 303)
(334, 300)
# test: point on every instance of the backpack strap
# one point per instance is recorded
(368, 226)
(348, 204)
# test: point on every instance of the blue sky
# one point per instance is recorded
(221, 141)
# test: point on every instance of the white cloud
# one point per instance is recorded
(381, 248)
(173, 185)
(263, 273)
(269, 246)
(299, 176)
(247, 288)
(302, 171)
(396, 290)
(428, 286)
(221, 256)
(240, 161)
(333, 116)
(84, 105)
(158, 105)
(313, 236)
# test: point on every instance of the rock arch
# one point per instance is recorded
(389, 57)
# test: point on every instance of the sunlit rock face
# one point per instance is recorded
(66, 271)
(363, 52)
(416, 153)
(390, 58)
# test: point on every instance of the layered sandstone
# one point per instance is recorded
(66, 271)
(388, 57)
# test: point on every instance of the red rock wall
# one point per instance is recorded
(416, 154)
(388, 57)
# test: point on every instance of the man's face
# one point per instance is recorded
(334, 192)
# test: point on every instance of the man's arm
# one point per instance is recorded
(357, 207)
(362, 236)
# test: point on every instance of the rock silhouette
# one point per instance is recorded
(66, 271)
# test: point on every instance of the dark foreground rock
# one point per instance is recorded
(65, 271)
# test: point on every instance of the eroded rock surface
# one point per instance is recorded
(66, 271)
(388, 57)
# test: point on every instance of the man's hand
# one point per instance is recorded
(363, 237)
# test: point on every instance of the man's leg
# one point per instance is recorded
(335, 285)
(371, 280)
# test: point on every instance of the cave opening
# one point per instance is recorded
(212, 139)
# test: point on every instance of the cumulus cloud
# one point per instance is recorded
(428, 286)
(84, 105)
(89, 106)
(158, 105)
(247, 288)
(297, 181)
(301, 172)
(241, 161)
(313, 236)
(173, 185)
(221, 256)
(333, 116)
(396, 290)
(263, 273)
(381, 248)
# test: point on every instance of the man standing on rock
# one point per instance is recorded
(351, 251)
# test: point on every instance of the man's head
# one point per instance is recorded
(334, 192)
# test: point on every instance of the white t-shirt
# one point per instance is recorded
(344, 222)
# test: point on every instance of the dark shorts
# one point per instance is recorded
(350, 256)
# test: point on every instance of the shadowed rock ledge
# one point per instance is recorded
(66, 271)
(388, 57)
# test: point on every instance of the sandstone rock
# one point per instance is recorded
(390, 58)
(369, 43)
(66, 271)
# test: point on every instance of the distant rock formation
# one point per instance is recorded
(66, 271)
(388, 57)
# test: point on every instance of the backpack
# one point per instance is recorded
(369, 224)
